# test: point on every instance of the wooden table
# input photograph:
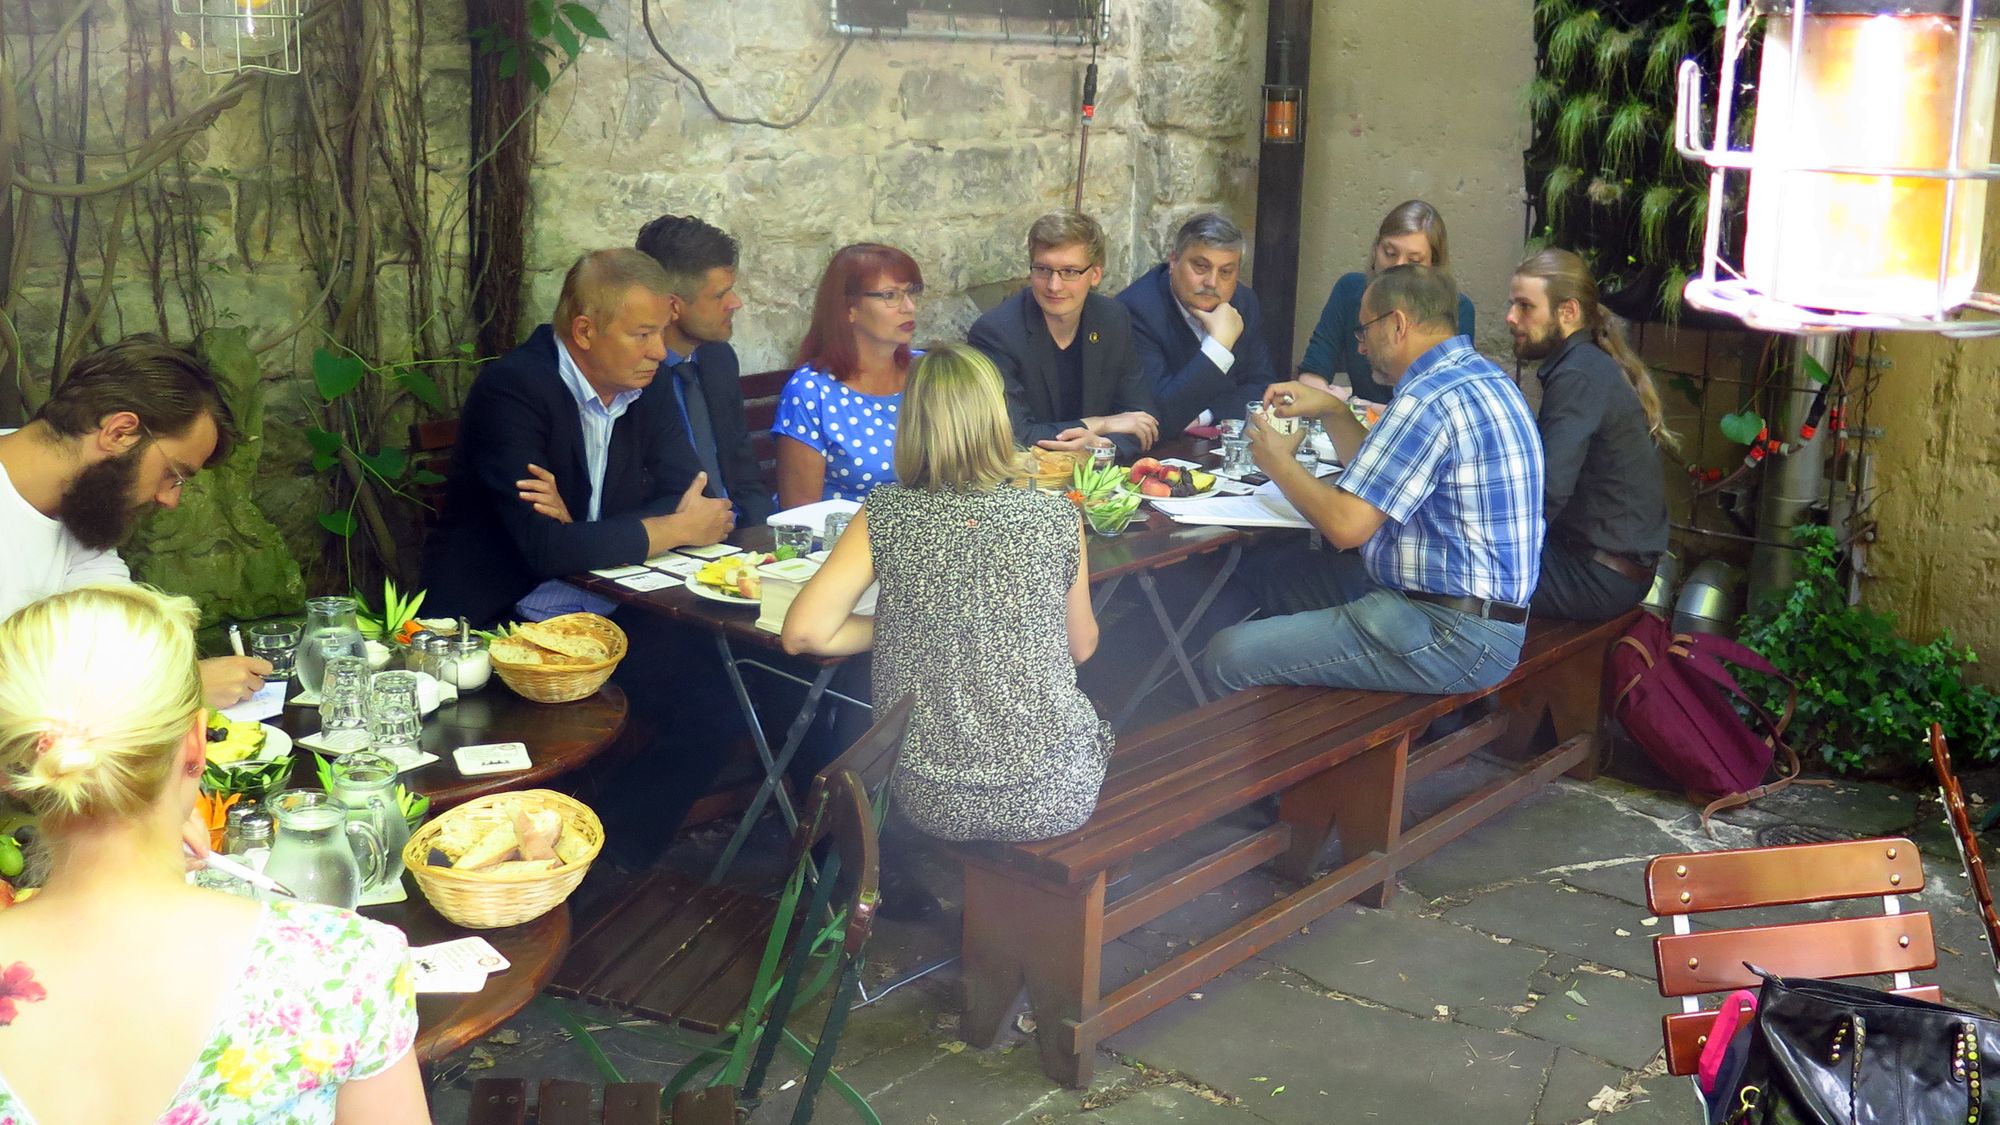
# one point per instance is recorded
(449, 1021)
(560, 737)
(1147, 545)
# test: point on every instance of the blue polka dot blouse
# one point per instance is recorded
(855, 432)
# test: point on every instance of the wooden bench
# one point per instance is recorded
(1037, 915)
(504, 1101)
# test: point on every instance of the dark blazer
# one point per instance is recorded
(1015, 335)
(722, 386)
(1184, 381)
(490, 548)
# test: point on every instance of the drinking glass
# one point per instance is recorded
(1308, 457)
(799, 539)
(277, 642)
(1230, 428)
(1103, 455)
(836, 526)
(343, 702)
(1236, 455)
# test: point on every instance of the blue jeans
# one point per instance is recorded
(1361, 635)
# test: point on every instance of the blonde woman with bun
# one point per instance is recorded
(983, 615)
(127, 995)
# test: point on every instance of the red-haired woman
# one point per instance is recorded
(837, 414)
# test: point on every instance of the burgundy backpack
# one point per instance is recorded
(1674, 695)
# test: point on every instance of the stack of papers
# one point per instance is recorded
(1266, 507)
(782, 582)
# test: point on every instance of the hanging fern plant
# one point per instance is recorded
(1602, 171)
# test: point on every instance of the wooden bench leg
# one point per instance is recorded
(1050, 939)
(1554, 706)
(1361, 799)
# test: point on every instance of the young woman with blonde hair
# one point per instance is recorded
(127, 995)
(983, 615)
(1602, 430)
(1411, 234)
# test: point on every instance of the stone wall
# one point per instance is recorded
(946, 149)
(1416, 99)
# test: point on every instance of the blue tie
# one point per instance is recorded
(701, 430)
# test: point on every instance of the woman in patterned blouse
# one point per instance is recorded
(983, 616)
(125, 993)
(837, 414)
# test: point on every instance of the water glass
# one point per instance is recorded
(1236, 455)
(1103, 455)
(1308, 457)
(343, 700)
(277, 642)
(836, 526)
(799, 539)
(1230, 428)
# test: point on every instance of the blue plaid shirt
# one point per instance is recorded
(1456, 465)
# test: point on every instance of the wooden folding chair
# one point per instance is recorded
(737, 965)
(1694, 962)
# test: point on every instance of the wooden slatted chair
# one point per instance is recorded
(760, 408)
(1695, 962)
(725, 962)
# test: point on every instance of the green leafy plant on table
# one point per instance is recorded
(1867, 695)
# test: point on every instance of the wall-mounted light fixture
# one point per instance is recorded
(1867, 168)
(239, 35)
(1284, 122)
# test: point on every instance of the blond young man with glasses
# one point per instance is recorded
(1065, 353)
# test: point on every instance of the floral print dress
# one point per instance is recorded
(325, 998)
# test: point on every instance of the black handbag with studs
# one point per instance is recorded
(1828, 1053)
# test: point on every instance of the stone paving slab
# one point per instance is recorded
(1552, 832)
(1618, 1020)
(1165, 1104)
(1337, 1061)
(1409, 962)
(941, 1081)
(1573, 1081)
(1565, 920)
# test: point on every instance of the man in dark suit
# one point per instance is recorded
(701, 367)
(1199, 330)
(1064, 352)
(565, 463)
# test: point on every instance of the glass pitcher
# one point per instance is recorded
(330, 628)
(321, 854)
(365, 785)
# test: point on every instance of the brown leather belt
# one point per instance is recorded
(1477, 607)
(1625, 565)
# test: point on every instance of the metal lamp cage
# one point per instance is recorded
(238, 35)
(1723, 286)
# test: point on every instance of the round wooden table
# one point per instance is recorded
(560, 737)
(449, 1021)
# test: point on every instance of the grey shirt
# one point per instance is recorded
(1604, 487)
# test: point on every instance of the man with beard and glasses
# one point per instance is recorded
(125, 430)
(1605, 488)
(1199, 329)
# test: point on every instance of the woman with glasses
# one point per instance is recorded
(1410, 235)
(837, 413)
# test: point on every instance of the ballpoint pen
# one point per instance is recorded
(250, 875)
(236, 639)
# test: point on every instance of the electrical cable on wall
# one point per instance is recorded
(1089, 113)
(701, 90)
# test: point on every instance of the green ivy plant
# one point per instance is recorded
(1867, 696)
(556, 33)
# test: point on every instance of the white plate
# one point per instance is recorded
(277, 744)
(703, 590)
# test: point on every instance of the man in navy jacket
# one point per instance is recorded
(565, 463)
(1199, 331)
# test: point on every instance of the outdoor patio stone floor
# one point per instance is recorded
(1451, 1005)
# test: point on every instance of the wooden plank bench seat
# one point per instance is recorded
(1036, 914)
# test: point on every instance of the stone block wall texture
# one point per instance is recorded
(948, 149)
(1417, 99)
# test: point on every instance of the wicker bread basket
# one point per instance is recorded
(482, 900)
(564, 683)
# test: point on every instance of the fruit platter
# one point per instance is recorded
(232, 742)
(1156, 480)
(733, 579)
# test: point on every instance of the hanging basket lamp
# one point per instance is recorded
(233, 36)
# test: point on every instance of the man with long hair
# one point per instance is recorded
(1605, 489)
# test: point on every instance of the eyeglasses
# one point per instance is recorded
(1361, 333)
(180, 482)
(1067, 273)
(894, 297)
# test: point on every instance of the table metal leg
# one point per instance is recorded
(774, 768)
(1102, 596)
(1176, 635)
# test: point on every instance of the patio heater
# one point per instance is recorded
(241, 35)
(1867, 167)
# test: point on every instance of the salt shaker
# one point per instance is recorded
(419, 655)
(471, 667)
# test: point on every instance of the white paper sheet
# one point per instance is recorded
(813, 515)
(269, 701)
(1259, 509)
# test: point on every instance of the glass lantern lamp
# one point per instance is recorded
(242, 35)
(1867, 168)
